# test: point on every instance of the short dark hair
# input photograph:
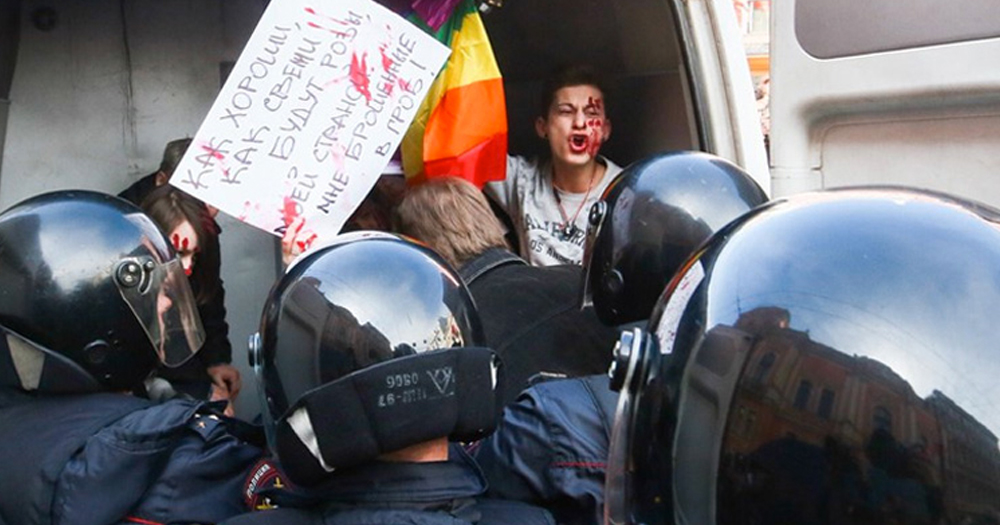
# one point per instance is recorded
(567, 76)
(172, 155)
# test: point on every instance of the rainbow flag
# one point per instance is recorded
(461, 127)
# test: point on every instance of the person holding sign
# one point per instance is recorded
(188, 224)
(547, 201)
(310, 115)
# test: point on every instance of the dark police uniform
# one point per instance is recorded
(438, 493)
(111, 458)
(551, 448)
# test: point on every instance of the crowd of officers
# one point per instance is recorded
(369, 416)
(431, 375)
(384, 361)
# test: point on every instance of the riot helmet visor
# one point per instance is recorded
(594, 222)
(171, 321)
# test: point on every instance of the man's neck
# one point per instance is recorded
(577, 179)
(426, 452)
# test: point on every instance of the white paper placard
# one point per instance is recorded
(310, 115)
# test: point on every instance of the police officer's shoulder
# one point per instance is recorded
(159, 418)
(564, 397)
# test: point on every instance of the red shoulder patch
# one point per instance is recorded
(264, 475)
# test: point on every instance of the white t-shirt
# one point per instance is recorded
(528, 197)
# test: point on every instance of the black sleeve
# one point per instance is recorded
(138, 191)
(217, 349)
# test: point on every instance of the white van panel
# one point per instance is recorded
(94, 100)
(835, 29)
(926, 116)
(722, 80)
(955, 153)
(4, 110)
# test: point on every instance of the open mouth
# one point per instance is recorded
(578, 143)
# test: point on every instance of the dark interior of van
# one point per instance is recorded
(9, 30)
(633, 43)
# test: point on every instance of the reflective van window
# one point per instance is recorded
(831, 29)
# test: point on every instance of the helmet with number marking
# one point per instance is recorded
(367, 346)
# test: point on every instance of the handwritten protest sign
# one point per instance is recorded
(310, 115)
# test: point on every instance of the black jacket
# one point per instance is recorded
(107, 458)
(439, 493)
(532, 318)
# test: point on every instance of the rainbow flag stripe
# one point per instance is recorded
(461, 127)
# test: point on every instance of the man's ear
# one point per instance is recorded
(607, 129)
(540, 123)
(161, 178)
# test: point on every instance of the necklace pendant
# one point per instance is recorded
(568, 230)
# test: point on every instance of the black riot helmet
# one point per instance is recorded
(91, 296)
(827, 358)
(650, 219)
(368, 346)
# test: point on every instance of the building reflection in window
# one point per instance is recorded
(872, 452)
(802, 395)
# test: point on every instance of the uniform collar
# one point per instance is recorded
(421, 483)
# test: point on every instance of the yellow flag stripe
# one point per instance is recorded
(471, 61)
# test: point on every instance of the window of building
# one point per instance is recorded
(763, 367)
(802, 395)
(882, 419)
(825, 404)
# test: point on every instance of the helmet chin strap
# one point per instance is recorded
(390, 406)
(28, 362)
